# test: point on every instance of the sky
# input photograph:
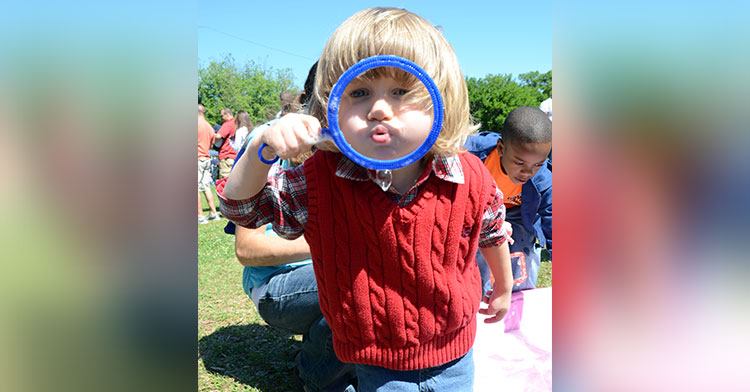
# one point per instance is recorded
(489, 37)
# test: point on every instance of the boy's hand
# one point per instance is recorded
(292, 135)
(498, 305)
(509, 231)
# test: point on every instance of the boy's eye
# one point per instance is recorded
(358, 93)
(401, 91)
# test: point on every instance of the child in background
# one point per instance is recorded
(518, 162)
(397, 279)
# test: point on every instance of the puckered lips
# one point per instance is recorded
(380, 134)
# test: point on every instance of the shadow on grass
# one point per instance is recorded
(256, 355)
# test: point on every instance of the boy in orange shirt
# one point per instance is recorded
(518, 162)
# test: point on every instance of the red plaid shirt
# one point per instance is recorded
(283, 201)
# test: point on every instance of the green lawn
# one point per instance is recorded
(545, 271)
(237, 351)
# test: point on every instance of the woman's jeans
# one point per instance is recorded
(290, 302)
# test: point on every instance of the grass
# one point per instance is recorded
(545, 271)
(237, 350)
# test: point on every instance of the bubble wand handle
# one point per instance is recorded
(324, 136)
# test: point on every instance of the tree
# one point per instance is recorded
(491, 98)
(541, 82)
(225, 85)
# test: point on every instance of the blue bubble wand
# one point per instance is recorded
(333, 132)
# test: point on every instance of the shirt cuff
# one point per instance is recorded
(494, 241)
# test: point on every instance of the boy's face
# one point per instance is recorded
(521, 161)
(378, 122)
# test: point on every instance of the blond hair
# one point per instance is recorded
(393, 31)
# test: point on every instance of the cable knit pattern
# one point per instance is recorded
(398, 285)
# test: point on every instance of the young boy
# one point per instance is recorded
(518, 162)
(397, 279)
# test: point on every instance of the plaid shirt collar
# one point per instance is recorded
(446, 168)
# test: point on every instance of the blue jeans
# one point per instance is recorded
(454, 376)
(289, 302)
(524, 242)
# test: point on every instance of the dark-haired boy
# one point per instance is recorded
(518, 162)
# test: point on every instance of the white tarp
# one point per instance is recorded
(521, 359)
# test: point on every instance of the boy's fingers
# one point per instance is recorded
(300, 134)
(496, 315)
(282, 135)
(487, 312)
(313, 126)
(508, 232)
(274, 140)
(486, 296)
(492, 320)
(291, 140)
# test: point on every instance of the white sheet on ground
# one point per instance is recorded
(519, 360)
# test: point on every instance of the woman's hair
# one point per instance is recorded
(243, 120)
(394, 31)
(307, 93)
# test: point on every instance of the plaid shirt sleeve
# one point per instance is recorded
(282, 202)
(492, 233)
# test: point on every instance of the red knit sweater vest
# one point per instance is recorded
(399, 286)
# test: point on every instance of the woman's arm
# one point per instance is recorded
(256, 249)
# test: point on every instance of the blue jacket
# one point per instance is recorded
(536, 194)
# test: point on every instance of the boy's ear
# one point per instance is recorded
(500, 147)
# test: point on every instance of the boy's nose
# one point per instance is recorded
(381, 110)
